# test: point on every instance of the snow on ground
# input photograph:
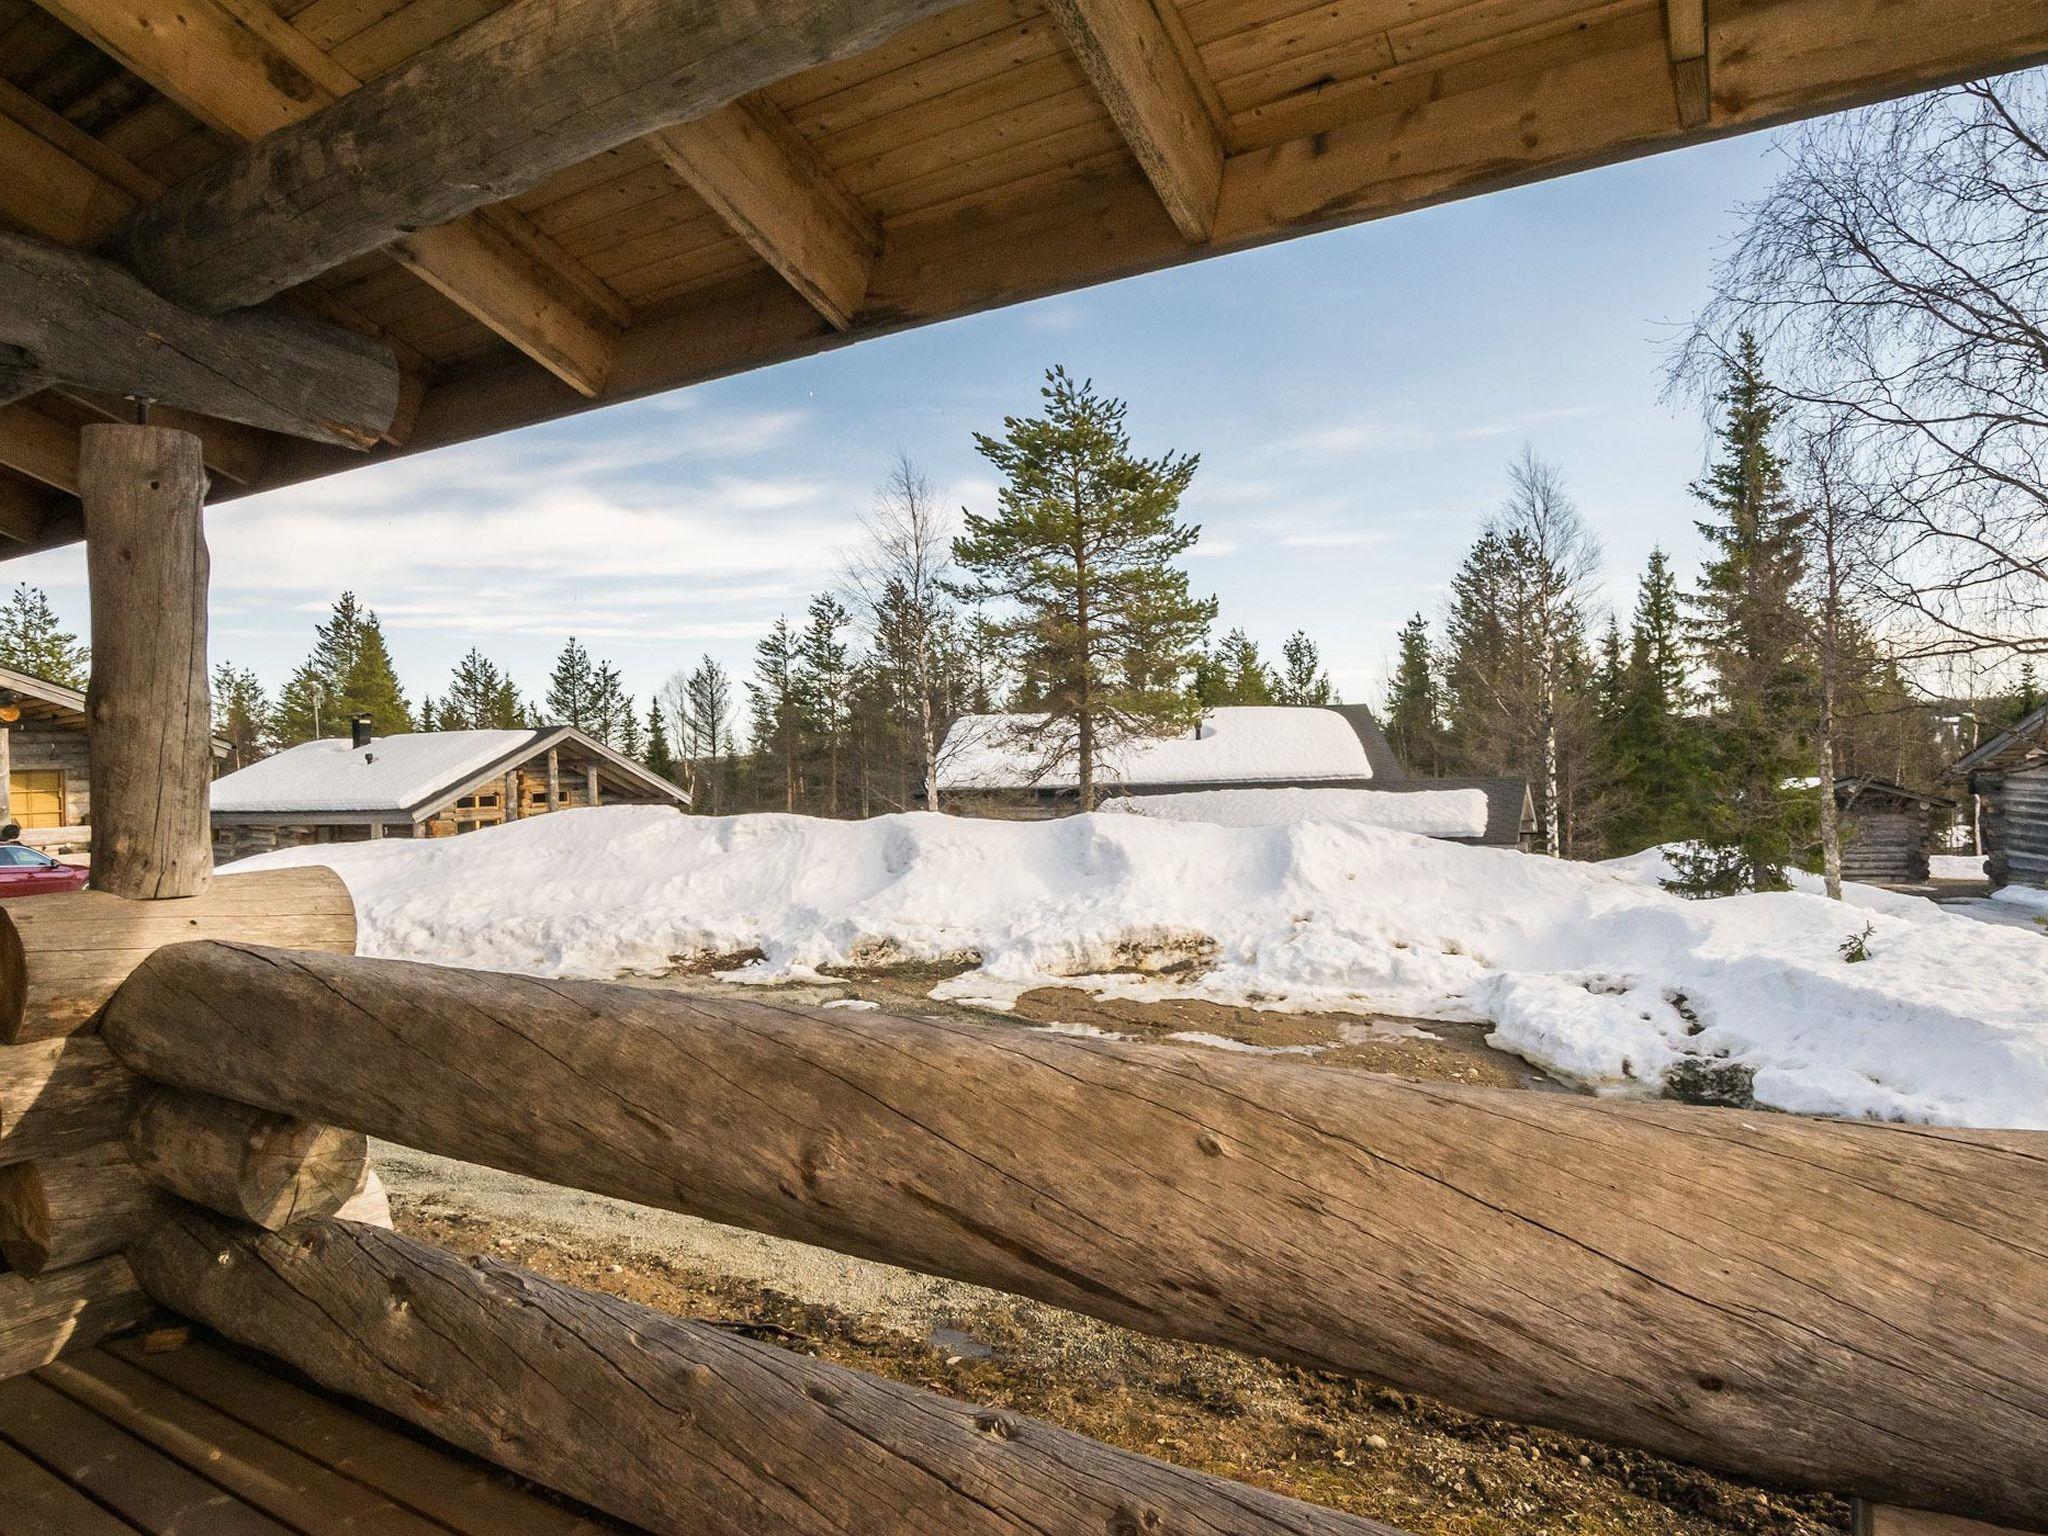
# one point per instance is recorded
(1586, 971)
(1425, 812)
(1653, 867)
(1234, 743)
(1955, 866)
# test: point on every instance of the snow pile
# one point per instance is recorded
(391, 773)
(1235, 744)
(1425, 812)
(1653, 867)
(1582, 970)
(1955, 866)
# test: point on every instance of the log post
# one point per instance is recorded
(59, 1211)
(674, 1426)
(265, 1169)
(1860, 1308)
(554, 779)
(511, 806)
(590, 784)
(147, 705)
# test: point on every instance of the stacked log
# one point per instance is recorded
(71, 1197)
(678, 1427)
(1856, 1307)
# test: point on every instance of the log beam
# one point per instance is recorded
(72, 320)
(1685, 22)
(66, 1309)
(247, 1164)
(61, 956)
(1860, 1308)
(770, 187)
(711, 1431)
(245, 72)
(1129, 56)
(59, 1211)
(61, 1096)
(23, 508)
(476, 119)
(147, 706)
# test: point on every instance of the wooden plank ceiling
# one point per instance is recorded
(1002, 150)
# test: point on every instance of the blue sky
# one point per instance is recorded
(1355, 397)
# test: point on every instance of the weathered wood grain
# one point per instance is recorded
(1856, 1307)
(148, 709)
(494, 110)
(61, 1096)
(70, 320)
(675, 1426)
(59, 1211)
(65, 1309)
(269, 1170)
(61, 956)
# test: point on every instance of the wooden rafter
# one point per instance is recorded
(1686, 26)
(245, 71)
(1147, 85)
(36, 444)
(22, 507)
(475, 119)
(771, 189)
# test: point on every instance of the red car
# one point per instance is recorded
(24, 872)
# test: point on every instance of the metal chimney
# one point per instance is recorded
(359, 731)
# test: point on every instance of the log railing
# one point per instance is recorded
(1856, 1307)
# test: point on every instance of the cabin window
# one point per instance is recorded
(35, 796)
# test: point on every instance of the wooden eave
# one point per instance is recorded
(998, 152)
(2010, 747)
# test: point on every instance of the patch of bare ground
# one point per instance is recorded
(1393, 1456)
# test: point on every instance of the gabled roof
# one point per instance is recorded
(1848, 790)
(1235, 745)
(57, 703)
(406, 775)
(2028, 734)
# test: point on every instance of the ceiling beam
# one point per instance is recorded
(770, 187)
(39, 446)
(227, 448)
(22, 508)
(71, 320)
(1144, 81)
(1685, 24)
(487, 113)
(245, 72)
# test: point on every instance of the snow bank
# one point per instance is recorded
(1955, 866)
(1581, 969)
(1425, 812)
(1234, 744)
(1653, 867)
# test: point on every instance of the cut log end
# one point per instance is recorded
(266, 1169)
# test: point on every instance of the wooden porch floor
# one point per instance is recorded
(196, 1441)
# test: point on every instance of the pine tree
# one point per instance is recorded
(1747, 629)
(1080, 555)
(481, 697)
(241, 714)
(823, 683)
(774, 713)
(1241, 676)
(349, 673)
(571, 687)
(609, 714)
(1655, 759)
(32, 641)
(1302, 679)
(1414, 712)
(659, 758)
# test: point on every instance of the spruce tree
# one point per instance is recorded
(349, 673)
(659, 758)
(241, 714)
(1242, 676)
(1656, 766)
(1302, 679)
(481, 697)
(32, 641)
(823, 684)
(774, 717)
(1080, 558)
(572, 686)
(1413, 716)
(370, 685)
(1747, 629)
(609, 714)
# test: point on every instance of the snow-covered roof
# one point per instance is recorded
(392, 773)
(1240, 744)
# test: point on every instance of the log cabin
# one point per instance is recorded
(2009, 776)
(247, 243)
(1887, 830)
(45, 761)
(422, 784)
(1002, 766)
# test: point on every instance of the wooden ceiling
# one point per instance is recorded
(1001, 150)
